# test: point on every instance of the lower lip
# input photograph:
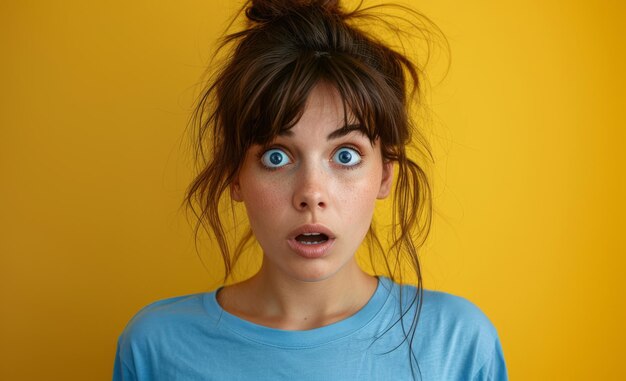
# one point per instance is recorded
(317, 250)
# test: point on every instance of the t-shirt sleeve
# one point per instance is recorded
(494, 368)
(121, 371)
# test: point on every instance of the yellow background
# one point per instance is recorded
(528, 133)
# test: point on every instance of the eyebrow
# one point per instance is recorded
(345, 130)
(338, 133)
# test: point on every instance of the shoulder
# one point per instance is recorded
(442, 309)
(158, 330)
(456, 310)
(463, 329)
(163, 316)
(170, 308)
(456, 331)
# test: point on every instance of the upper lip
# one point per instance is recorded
(311, 228)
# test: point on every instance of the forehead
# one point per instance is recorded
(325, 115)
(324, 107)
(325, 100)
(324, 111)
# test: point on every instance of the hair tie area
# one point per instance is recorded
(319, 54)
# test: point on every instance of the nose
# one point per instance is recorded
(310, 193)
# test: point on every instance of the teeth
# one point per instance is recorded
(312, 238)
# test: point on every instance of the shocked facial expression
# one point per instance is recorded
(310, 194)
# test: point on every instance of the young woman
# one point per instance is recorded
(305, 123)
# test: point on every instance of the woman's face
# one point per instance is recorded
(310, 195)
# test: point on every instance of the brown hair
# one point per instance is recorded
(261, 89)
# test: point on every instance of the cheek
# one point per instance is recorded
(358, 198)
(262, 199)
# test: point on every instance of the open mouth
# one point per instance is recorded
(312, 238)
(311, 241)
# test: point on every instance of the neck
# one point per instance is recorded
(286, 303)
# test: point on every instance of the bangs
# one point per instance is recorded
(280, 99)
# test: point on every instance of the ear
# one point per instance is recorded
(235, 190)
(386, 181)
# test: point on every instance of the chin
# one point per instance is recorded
(317, 272)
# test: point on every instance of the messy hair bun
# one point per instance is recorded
(268, 10)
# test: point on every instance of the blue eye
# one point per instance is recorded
(274, 158)
(347, 157)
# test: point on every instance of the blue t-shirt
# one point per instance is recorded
(193, 338)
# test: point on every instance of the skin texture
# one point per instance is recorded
(311, 185)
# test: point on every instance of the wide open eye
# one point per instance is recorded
(274, 158)
(347, 157)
